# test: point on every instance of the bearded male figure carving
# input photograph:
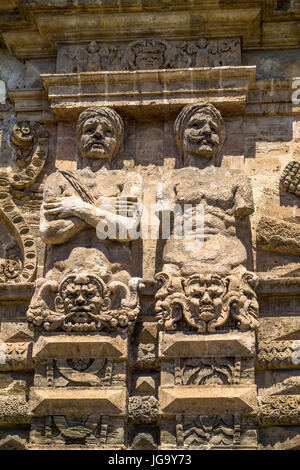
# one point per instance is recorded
(225, 196)
(75, 203)
(213, 252)
(88, 219)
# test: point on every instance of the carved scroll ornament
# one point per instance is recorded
(31, 141)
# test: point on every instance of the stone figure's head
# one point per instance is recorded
(100, 133)
(93, 47)
(200, 133)
(81, 298)
(205, 294)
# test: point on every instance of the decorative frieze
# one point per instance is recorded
(206, 432)
(16, 356)
(144, 54)
(206, 371)
(14, 410)
(80, 372)
(278, 354)
(290, 178)
(143, 409)
(278, 235)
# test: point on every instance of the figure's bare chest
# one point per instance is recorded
(98, 186)
(201, 190)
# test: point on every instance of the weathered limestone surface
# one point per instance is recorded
(166, 332)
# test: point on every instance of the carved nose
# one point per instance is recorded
(206, 298)
(99, 131)
(80, 300)
(206, 130)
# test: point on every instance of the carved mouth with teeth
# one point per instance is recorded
(80, 327)
(97, 145)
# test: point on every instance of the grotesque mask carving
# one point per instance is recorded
(208, 302)
(81, 300)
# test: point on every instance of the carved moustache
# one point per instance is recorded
(80, 308)
(200, 138)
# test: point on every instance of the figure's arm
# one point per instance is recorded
(123, 217)
(118, 219)
(54, 230)
(243, 199)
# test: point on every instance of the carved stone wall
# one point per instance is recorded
(149, 225)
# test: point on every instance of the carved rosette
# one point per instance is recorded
(85, 303)
(143, 409)
(207, 302)
(31, 141)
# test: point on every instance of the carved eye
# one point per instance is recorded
(89, 131)
(90, 295)
(108, 132)
(249, 295)
(198, 295)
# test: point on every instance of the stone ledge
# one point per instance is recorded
(77, 402)
(283, 285)
(22, 291)
(208, 399)
(186, 344)
(91, 346)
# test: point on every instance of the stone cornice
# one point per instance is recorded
(32, 28)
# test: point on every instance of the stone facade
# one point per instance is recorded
(149, 224)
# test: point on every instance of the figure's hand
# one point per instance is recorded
(127, 206)
(62, 207)
(121, 205)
